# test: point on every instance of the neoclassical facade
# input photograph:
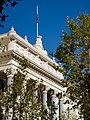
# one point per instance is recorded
(15, 47)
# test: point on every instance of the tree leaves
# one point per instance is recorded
(3, 5)
(74, 54)
(26, 96)
(14, 3)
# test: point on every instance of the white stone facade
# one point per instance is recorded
(14, 46)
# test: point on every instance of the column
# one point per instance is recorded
(45, 99)
(9, 84)
(60, 103)
(44, 96)
(35, 95)
(23, 95)
(55, 108)
(61, 106)
(23, 87)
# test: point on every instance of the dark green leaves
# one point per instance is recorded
(3, 5)
(74, 55)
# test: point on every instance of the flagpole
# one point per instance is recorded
(37, 20)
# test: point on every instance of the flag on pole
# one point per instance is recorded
(37, 15)
(37, 20)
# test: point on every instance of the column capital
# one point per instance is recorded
(47, 88)
(45, 91)
(9, 79)
(10, 75)
(10, 71)
(53, 95)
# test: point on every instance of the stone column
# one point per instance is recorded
(55, 107)
(35, 95)
(9, 84)
(45, 99)
(61, 106)
(23, 87)
(23, 94)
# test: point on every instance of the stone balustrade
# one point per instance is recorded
(27, 54)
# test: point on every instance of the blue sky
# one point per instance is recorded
(52, 19)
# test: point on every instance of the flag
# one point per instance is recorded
(37, 15)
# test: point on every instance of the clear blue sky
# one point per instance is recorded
(52, 19)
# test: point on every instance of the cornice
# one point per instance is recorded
(26, 44)
(17, 56)
(33, 49)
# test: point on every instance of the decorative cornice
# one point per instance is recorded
(14, 35)
(17, 56)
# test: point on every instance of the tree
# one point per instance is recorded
(22, 98)
(73, 53)
(3, 5)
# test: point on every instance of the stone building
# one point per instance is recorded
(15, 47)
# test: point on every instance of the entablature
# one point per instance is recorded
(20, 47)
(12, 35)
(42, 69)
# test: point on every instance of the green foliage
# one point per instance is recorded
(20, 96)
(74, 54)
(3, 5)
(65, 117)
